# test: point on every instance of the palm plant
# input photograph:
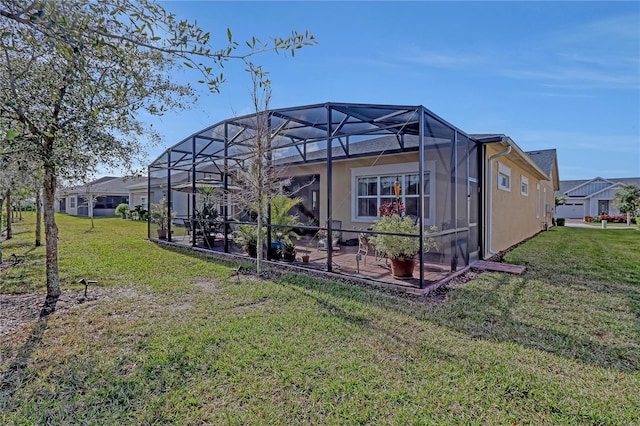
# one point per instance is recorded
(282, 222)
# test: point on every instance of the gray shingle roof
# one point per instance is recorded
(544, 158)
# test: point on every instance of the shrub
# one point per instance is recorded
(560, 221)
(122, 209)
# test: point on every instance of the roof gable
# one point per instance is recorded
(547, 160)
(544, 159)
(608, 188)
(589, 187)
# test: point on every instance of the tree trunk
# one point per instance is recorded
(50, 231)
(38, 219)
(260, 241)
(91, 202)
(9, 218)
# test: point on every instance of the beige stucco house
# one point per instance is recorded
(475, 194)
(519, 192)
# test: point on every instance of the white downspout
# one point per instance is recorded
(490, 196)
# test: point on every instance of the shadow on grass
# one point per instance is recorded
(479, 312)
(189, 252)
(484, 314)
(19, 245)
(12, 377)
(493, 318)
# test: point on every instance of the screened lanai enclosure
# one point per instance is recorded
(347, 165)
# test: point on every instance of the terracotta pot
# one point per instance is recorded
(402, 268)
(305, 258)
(162, 234)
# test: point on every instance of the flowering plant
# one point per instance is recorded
(389, 208)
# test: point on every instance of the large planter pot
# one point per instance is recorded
(289, 256)
(275, 251)
(402, 268)
(252, 250)
(162, 234)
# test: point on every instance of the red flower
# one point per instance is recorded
(389, 208)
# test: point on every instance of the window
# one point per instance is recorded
(72, 202)
(375, 185)
(504, 177)
(143, 202)
(524, 185)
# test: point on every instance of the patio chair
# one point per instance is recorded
(365, 246)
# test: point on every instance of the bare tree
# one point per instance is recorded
(256, 173)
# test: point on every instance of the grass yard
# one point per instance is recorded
(174, 340)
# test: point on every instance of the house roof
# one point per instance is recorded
(517, 154)
(302, 130)
(569, 185)
(545, 159)
(107, 185)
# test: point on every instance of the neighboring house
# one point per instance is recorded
(144, 192)
(482, 193)
(590, 197)
(106, 193)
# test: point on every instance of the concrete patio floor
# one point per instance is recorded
(344, 262)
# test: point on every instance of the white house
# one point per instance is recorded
(107, 192)
(590, 197)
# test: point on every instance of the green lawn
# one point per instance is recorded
(185, 344)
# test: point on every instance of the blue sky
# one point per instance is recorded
(562, 75)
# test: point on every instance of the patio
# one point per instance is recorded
(346, 260)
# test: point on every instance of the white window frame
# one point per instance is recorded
(524, 185)
(387, 170)
(504, 170)
(72, 202)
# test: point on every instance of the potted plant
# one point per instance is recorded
(247, 236)
(282, 223)
(288, 251)
(305, 253)
(160, 217)
(123, 210)
(401, 250)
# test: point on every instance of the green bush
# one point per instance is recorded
(122, 209)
